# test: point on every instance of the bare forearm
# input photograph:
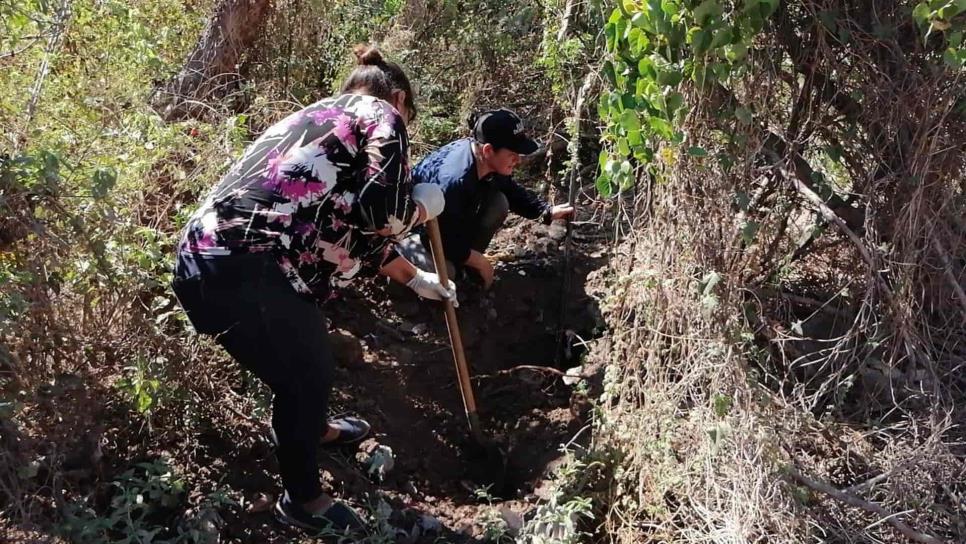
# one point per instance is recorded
(399, 270)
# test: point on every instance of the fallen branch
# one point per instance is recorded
(852, 500)
(839, 222)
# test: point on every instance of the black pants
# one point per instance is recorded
(490, 217)
(247, 304)
(486, 222)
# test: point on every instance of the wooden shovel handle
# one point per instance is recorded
(455, 339)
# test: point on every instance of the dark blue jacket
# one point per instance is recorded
(453, 168)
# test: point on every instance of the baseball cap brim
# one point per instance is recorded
(523, 145)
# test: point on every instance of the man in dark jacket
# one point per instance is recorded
(475, 175)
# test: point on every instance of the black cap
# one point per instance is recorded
(502, 129)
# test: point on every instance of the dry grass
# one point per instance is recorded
(807, 369)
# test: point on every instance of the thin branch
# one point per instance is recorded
(852, 500)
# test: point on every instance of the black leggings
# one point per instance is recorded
(248, 305)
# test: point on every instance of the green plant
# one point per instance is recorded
(140, 494)
(142, 386)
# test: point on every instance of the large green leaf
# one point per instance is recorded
(700, 42)
(630, 121)
(662, 127)
(706, 11)
(604, 187)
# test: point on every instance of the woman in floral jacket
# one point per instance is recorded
(319, 198)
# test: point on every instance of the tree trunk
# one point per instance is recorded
(211, 69)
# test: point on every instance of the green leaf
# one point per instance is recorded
(623, 147)
(736, 52)
(615, 16)
(645, 67)
(662, 127)
(921, 14)
(103, 181)
(955, 38)
(674, 101)
(669, 78)
(604, 187)
(696, 151)
(742, 200)
(722, 37)
(743, 114)
(706, 11)
(699, 74)
(834, 152)
(609, 73)
(630, 121)
(634, 138)
(722, 404)
(603, 158)
(700, 42)
(721, 70)
(749, 231)
(670, 8)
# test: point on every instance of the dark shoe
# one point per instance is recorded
(351, 431)
(338, 519)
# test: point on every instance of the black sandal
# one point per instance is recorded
(338, 519)
(352, 430)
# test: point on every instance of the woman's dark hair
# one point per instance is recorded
(378, 76)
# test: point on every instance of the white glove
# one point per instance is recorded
(430, 197)
(427, 285)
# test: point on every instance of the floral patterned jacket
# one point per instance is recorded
(314, 189)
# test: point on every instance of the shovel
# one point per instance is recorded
(488, 462)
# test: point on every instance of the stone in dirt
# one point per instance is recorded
(513, 520)
(261, 502)
(544, 246)
(347, 348)
(558, 231)
(378, 458)
(429, 524)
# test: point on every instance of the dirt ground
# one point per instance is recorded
(396, 370)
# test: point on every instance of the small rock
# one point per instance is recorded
(420, 329)
(558, 231)
(544, 246)
(260, 503)
(347, 348)
(573, 376)
(522, 272)
(491, 314)
(429, 524)
(378, 459)
(513, 520)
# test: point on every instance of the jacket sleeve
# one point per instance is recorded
(522, 201)
(385, 197)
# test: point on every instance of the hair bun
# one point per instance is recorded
(472, 119)
(367, 55)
